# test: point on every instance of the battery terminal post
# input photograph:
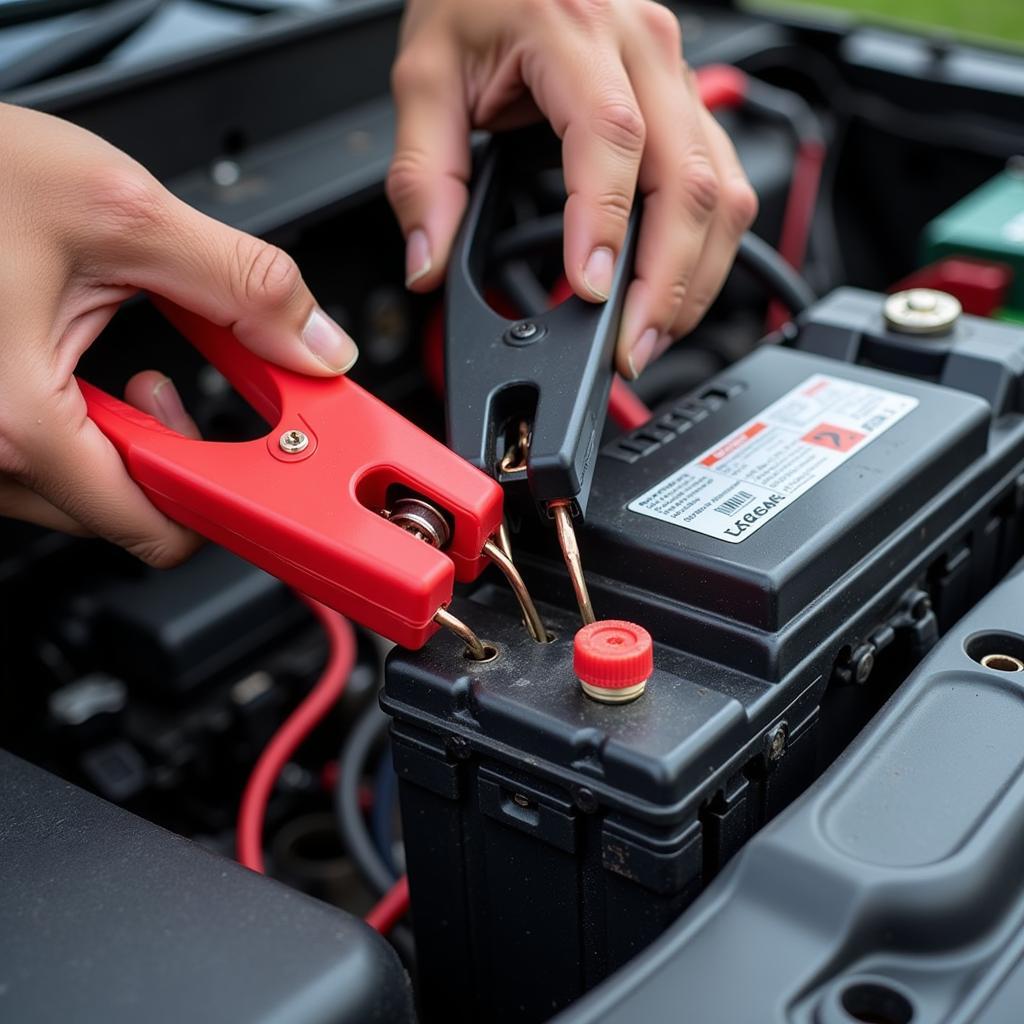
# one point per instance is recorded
(426, 522)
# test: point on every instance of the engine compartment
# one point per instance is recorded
(550, 840)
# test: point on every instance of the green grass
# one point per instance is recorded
(999, 20)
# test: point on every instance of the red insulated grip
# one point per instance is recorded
(312, 518)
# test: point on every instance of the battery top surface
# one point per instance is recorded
(753, 499)
(832, 478)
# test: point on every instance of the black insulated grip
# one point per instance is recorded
(553, 369)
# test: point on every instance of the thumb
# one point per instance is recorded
(234, 279)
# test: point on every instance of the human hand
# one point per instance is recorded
(609, 76)
(85, 227)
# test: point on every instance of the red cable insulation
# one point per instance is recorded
(300, 723)
(391, 908)
(283, 744)
(626, 408)
(801, 203)
(721, 85)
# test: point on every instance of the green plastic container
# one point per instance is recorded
(989, 224)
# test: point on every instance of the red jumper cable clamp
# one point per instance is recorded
(344, 499)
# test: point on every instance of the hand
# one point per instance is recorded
(84, 228)
(609, 76)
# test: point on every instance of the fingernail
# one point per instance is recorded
(172, 411)
(417, 257)
(328, 342)
(643, 349)
(598, 271)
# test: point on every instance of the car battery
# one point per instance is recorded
(780, 532)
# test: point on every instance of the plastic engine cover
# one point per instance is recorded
(107, 918)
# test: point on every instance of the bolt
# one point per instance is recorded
(776, 741)
(863, 663)
(586, 800)
(293, 442)
(459, 746)
(521, 801)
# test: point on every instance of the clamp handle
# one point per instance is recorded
(555, 367)
(310, 513)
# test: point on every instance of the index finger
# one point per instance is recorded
(586, 95)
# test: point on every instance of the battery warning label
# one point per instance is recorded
(734, 488)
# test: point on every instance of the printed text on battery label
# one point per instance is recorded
(749, 477)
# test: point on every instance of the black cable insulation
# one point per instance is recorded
(367, 733)
(756, 255)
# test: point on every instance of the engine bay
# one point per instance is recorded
(809, 809)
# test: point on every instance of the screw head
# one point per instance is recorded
(293, 441)
(863, 663)
(459, 746)
(586, 800)
(857, 665)
(525, 332)
(776, 741)
(922, 311)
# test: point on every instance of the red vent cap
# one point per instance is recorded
(613, 654)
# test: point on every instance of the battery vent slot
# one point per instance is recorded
(669, 425)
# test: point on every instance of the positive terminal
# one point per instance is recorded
(922, 311)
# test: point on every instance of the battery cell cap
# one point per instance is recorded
(613, 659)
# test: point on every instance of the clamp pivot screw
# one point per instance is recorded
(524, 332)
(293, 442)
